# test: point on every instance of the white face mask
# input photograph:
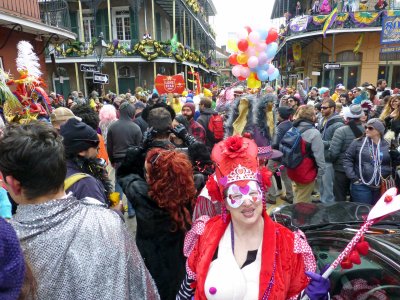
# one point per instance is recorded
(237, 195)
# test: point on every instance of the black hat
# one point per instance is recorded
(285, 112)
(78, 136)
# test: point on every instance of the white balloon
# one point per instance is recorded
(254, 37)
(242, 34)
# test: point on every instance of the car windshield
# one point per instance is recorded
(306, 215)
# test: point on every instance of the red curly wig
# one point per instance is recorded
(171, 184)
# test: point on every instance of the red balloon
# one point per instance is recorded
(256, 77)
(272, 36)
(245, 65)
(241, 78)
(233, 59)
(243, 45)
(248, 29)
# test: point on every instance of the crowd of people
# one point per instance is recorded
(197, 172)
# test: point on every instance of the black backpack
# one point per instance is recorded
(292, 147)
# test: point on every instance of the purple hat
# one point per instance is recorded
(12, 264)
(264, 149)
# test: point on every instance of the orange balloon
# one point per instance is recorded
(242, 58)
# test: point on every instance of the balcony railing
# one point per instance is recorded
(23, 8)
(147, 49)
(55, 13)
(311, 23)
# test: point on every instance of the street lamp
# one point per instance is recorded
(100, 48)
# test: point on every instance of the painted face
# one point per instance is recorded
(236, 195)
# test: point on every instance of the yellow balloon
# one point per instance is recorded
(253, 83)
(232, 45)
(252, 75)
(242, 58)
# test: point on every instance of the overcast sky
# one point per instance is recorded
(234, 14)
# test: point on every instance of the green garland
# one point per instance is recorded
(161, 49)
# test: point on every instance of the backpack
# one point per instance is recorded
(216, 127)
(291, 147)
(71, 180)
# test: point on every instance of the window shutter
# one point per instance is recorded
(74, 22)
(105, 25)
(134, 27)
(98, 23)
(158, 27)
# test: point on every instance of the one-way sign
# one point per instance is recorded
(332, 66)
(100, 78)
(88, 68)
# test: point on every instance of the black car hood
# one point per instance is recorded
(343, 216)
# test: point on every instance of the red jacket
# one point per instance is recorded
(290, 278)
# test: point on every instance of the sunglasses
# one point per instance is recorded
(369, 128)
(325, 107)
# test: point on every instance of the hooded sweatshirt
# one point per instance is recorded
(123, 134)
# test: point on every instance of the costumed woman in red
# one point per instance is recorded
(243, 254)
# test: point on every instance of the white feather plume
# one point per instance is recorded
(27, 59)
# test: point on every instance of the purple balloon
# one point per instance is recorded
(271, 69)
(262, 58)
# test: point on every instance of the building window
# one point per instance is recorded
(125, 72)
(395, 82)
(122, 28)
(88, 27)
(348, 56)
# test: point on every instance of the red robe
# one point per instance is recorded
(290, 278)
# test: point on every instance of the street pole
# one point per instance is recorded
(332, 73)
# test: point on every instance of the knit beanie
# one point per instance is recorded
(78, 136)
(378, 125)
(12, 264)
(191, 106)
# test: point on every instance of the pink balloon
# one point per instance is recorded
(261, 46)
(252, 62)
(236, 70)
(271, 69)
(251, 52)
(245, 72)
(262, 58)
(254, 37)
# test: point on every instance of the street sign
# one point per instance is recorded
(315, 73)
(293, 76)
(100, 78)
(88, 68)
(332, 66)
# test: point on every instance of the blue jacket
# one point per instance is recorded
(86, 187)
(280, 131)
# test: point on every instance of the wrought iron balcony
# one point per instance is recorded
(55, 13)
(359, 20)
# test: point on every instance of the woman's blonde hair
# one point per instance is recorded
(387, 110)
(305, 112)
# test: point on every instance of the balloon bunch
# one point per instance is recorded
(253, 51)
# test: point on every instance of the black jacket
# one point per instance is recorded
(161, 249)
(122, 134)
(352, 158)
(203, 120)
(141, 122)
